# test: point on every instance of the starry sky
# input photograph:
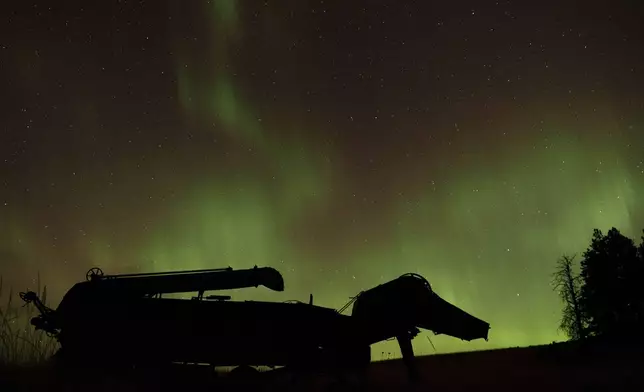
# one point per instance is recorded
(344, 143)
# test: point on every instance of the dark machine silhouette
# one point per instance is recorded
(400, 307)
(125, 320)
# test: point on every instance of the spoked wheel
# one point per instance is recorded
(93, 273)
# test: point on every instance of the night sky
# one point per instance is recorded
(342, 142)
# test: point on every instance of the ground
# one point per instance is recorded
(538, 368)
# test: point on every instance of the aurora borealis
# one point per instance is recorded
(344, 143)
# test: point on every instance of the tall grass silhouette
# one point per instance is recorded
(20, 343)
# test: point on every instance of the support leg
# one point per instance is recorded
(404, 341)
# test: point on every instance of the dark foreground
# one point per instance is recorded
(555, 367)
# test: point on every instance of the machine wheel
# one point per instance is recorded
(244, 372)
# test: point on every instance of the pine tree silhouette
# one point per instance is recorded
(611, 296)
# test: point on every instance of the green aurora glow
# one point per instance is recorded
(485, 229)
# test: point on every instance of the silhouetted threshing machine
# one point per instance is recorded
(125, 319)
